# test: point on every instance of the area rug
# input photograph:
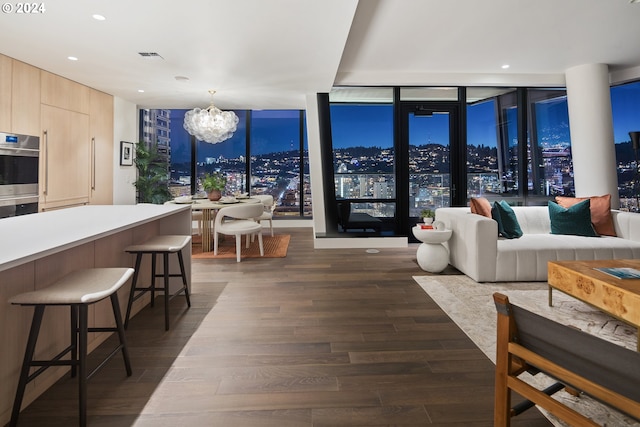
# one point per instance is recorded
(470, 305)
(274, 247)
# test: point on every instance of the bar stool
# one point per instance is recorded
(163, 244)
(78, 290)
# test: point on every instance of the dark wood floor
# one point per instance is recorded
(319, 338)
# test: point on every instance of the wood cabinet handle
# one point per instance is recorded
(93, 163)
(45, 145)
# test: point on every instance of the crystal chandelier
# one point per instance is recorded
(211, 124)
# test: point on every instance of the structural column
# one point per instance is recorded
(591, 124)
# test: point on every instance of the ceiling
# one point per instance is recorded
(269, 54)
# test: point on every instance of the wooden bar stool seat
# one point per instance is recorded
(165, 245)
(78, 290)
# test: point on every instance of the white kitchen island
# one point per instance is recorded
(38, 249)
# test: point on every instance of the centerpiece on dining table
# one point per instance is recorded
(213, 184)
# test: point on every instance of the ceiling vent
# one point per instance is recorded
(150, 55)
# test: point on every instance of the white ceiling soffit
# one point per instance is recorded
(382, 95)
(361, 94)
(269, 54)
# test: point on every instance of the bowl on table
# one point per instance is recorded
(228, 199)
(183, 199)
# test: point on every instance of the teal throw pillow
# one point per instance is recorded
(508, 226)
(575, 220)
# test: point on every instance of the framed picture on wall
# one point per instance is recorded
(126, 153)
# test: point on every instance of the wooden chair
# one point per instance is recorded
(241, 224)
(578, 361)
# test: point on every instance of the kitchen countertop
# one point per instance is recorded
(29, 237)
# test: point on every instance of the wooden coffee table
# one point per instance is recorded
(618, 297)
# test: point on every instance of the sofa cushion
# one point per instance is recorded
(481, 206)
(533, 219)
(508, 226)
(575, 220)
(600, 212)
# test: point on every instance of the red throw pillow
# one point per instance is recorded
(600, 212)
(481, 206)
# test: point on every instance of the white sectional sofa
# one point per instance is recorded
(477, 251)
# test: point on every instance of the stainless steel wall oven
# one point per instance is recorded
(19, 156)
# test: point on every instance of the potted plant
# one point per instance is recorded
(213, 184)
(427, 215)
(152, 183)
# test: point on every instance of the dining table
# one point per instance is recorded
(209, 209)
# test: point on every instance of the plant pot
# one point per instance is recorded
(427, 220)
(215, 195)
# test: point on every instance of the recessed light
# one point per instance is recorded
(72, 58)
(141, 90)
(98, 17)
(505, 66)
(150, 55)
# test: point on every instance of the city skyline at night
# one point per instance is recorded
(363, 135)
(373, 127)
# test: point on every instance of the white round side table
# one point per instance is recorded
(432, 256)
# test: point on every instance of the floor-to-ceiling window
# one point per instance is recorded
(625, 104)
(495, 130)
(274, 140)
(550, 164)
(429, 118)
(363, 149)
(492, 141)
(306, 175)
(276, 159)
(429, 161)
(514, 143)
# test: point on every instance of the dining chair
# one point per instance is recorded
(237, 220)
(269, 207)
(197, 216)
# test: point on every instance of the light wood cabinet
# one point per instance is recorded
(65, 158)
(25, 99)
(75, 126)
(101, 132)
(64, 93)
(66, 148)
(19, 97)
(5, 93)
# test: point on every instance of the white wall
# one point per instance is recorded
(315, 164)
(125, 128)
